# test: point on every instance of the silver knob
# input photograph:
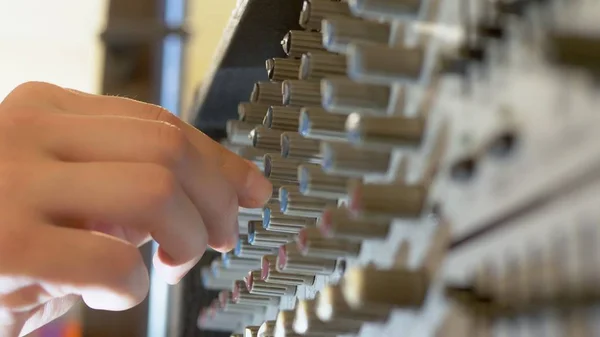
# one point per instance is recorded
(339, 223)
(339, 32)
(222, 272)
(311, 243)
(252, 113)
(267, 329)
(346, 159)
(246, 250)
(314, 182)
(251, 331)
(252, 154)
(367, 287)
(270, 274)
(314, 11)
(306, 322)
(379, 64)
(278, 168)
(274, 220)
(301, 93)
(390, 9)
(280, 69)
(332, 306)
(317, 123)
(241, 295)
(298, 42)
(230, 261)
(290, 260)
(277, 184)
(258, 236)
(256, 285)
(211, 282)
(238, 132)
(282, 118)
(395, 200)
(266, 139)
(243, 308)
(320, 65)
(376, 131)
(294, 146)
(292, 202)
(342, 95)
(266, 93)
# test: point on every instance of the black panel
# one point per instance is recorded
(257, 38)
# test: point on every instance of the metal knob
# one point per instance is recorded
(339, 32)
(294, 203)
(314, 11)
(251, 331)
(301, 93)
(390, 9)
(241, 295)
(339, 223)
(379, 131)
(246, 250)
(314, 182)
(295, 146)
(266, 139)
(290, 260)
(222, 272)
(277, 184)
(342, 95)
(267, 329)
(278, 168)
(280, 69)
(298, 42)
(317, 123)
(266, 92)
(230, 261)
(269, 273)
(367, 287)
(252, 154)
(346, 159)
(252, 113)
(395, 200)
(211, 282)
(332, 306)
(274, 220)
(320, 65)
(258, 236)
(238, 132)
(282, 118)
(379, 64)
(311, 243)
(242, 308)
(306, 322)
(256, 285)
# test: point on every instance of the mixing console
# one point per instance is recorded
(436, 172)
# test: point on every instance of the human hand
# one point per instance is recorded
(85, 180)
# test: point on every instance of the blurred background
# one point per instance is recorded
(151, 50)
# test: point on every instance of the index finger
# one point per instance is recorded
(252, 188)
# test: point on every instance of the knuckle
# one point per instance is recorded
(13, 179)
(173, 144)
(162, 115)
(161, 189)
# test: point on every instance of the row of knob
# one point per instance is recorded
(316, 132)
(332, 113)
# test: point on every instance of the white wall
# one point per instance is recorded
(51, 40)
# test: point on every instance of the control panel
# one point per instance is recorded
(436, 173)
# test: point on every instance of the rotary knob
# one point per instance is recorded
(339, 223)
(290, 260)
(256, 285)
(274, 220)
(258, 236)
(311, 243)
(332, 306)
(306, 322)
(294, 203)
(395, 200)
(269, 273)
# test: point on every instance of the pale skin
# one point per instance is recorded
(85, 180)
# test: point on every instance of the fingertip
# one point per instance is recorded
(258, 189)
